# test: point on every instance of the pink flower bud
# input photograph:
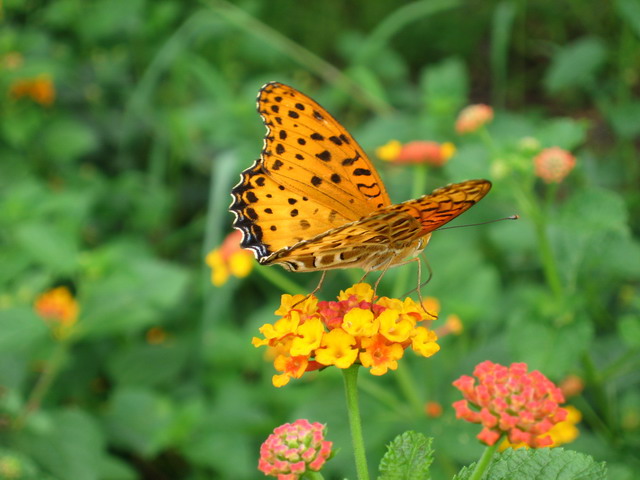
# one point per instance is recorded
(293, 449)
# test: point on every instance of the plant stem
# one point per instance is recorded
(313, 475)
(408, 388)
(351, 389)
(279, 280)
(484, 461)
(45, 380)
(549, 267)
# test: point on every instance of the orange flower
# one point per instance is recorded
(40, 89)
(553, 164)
(355, 329)
(419, 151)
(433, 409)
(473, 117)
(571, 385)
(59, 309)
(156, 336)
(229, 259)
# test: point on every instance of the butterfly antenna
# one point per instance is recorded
(512, 217)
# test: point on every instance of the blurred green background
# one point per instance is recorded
(123, 127)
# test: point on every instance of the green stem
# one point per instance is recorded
(279, 280)
(549, 266)
(313, 475)
(408, 389)
(351, 389)
(45, 380)
(484, 461)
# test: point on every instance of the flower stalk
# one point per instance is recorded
(350, 376)
(484, 462)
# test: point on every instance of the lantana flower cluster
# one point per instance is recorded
(229, 259)
(508, 400)
(293, 449)
(59, 309)
(357, 328)
(418, 151)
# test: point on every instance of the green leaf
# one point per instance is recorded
(623, 118)
(540, 464)
(445, 87)
(71, 447)
(49, 245)
(550, 352)
(563, 132)
(147, 365)
(20, 328)
(66, 140)
(408, 457)
(629, 330)
(629, 11)
(575, 65)
(140, 420)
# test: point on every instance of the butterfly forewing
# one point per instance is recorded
(313, 200)
(309, 152)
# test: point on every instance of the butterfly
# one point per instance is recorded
(314, 201)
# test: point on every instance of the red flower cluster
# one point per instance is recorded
(293, 449)
(508, 400)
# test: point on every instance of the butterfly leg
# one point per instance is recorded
(420, 284)
(315, 290)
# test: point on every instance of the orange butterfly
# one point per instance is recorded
(313, 200)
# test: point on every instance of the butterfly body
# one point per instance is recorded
(313, 200)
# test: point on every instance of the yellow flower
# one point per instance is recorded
(40, 89)
(561, 433)
(356, 328)
(337, 348)
(418, 151)
(362, 291)
(229, 259)
(360, 322)
(389, 151)
(59, 309)
(432, 305)
(309, 337)
(424, 342)
(395, 327)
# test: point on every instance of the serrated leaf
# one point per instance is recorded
(408, 457)
(540, 464)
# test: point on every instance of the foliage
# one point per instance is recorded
(123, 127)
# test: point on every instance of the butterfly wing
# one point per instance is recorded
(445, 203)
(385, 237)
(312, 175)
